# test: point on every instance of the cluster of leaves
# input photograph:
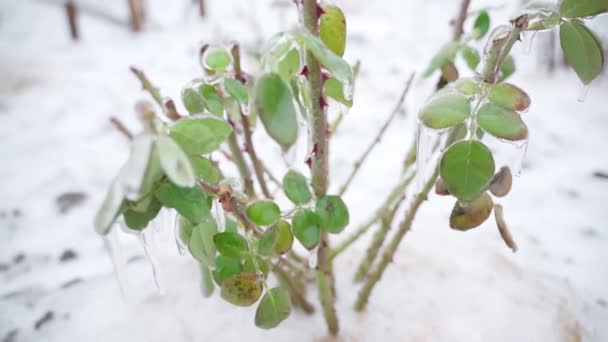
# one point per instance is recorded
(170, 166)
(477, 106)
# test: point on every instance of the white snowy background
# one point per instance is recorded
(56, 97)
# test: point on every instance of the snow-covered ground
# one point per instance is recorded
(57, 147)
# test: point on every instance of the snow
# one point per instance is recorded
(55, 101)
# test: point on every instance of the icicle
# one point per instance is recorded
(217, 210)
(149, 246)
(313, 257)
(425, 140)
(527, 40)
(517, 159)
(181, 245)
(584, 92)
(119, 262)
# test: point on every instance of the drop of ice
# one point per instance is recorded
(313, 257)
(519, 154)
(527, 41)
(584, 92)
(119, 261)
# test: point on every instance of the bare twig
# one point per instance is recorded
(378, 138)
(136, 13)
(462, 17)
(148, 86)
(120, 126)
(90, 11)
(72, 14)
(241, 164)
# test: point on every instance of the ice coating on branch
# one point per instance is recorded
(219, 215)
(313, 257)
(117, 256)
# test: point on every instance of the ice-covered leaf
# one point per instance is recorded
(473, 214)
(446, 54)
(243, 289)
(467, 86)
(296, 188)
(205, 169)
(226, 267)
(306, 228)
(110, 209)
(290, 65)
(201, 244)
(273, 309)
(268, 241)
(175, 162)
(445, 111)
(138, 220)
(502, 182)
(335, 90)
(471, 56)
(217, 59)
(333, 213)
(582, 8)
(192, 203)
(507, 68)
(583, 50)
(213, 101)
(285, 239)
(333, 63)
(237, 90)
(250, 266)
(263, 212)
(131, 175)
(207, 286)
(509, 96)
(275, 106)
(200, 135)
(332, 29)
(501, 122)
(482, 24)
(192, 101)
(466, 168)
(231, 244)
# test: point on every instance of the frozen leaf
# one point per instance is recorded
(336, 66)
(333, 213)
(263, 212)
(507, 68)
(132, 174)
(200, 135)
(250, 266)
(502, 182)
(207, 286)
(482, 24)
(110, 209)
(471, 56)
(296, 188)
(467, 86)
(503, 229)
(445, 111)
(191, 203)
(446, 54)
(217, 59)
(473, 214)
(583, 50)
(332, 29)
(184, 230)
(306, 228)
(154, 173)
(226, 267)
(231, 244)
(243, 289)
(138, 220)
(237, 90)
(582, 8)
(213, 102)
(290, 65)
(509, 96)
(275, 106)
(201, 244)
(467, 167)
(192, 101)
(175, 162)
(285, 237)
(501, 122)
(205, 169)
(268, 241)
(449, 72)
(335, 90)
(273, 308)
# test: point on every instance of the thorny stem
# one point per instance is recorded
(489, 74)
(320, 167)
(148, 86)
(359, 162)
(241, 164)
(295, 293)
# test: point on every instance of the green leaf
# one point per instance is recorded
(175, 162)
(132, 175)
(509, 96)
(205, 169)
(275, 106)
(445, 111)
(332, 29)
(192, 101)
(213, 101)
(582, 49)
(201, 244)
(482, 24)
(501, 122)
(191, 203)
(296, 188)
(200, 135)
(237, 90)
(446, 54)
(231, 244)
(582, 8)
(207, 286)
(140, 219)
(466, 169)
(217, 59)
(243, 289)
(263, 212)
(226, 267)
(268, 241)
(273, 309)
(507, 68)
(473, 214)
(110, 209)
(467, 86)
(306, 228)
(285, 239)
(249, 266)
(154, 173)
(335, 90)
(290, 65)
(333, 213)
(470, 56)
(184, 230)
(333, 63)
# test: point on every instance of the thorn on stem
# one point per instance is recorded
(304, 72)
